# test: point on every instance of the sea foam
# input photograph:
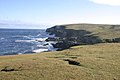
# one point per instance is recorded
(2, 38)
(24, 40)
(40, 50)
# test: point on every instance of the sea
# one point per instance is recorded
(24, 41)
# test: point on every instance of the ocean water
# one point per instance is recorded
(24, 41)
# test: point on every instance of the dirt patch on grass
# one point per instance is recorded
(72, 62)
(10, 69)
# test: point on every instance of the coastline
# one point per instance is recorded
(72, 62)
(70, 35)
(24, 41)
(46, 47)
(66, 36)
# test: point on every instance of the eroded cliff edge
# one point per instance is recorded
(81, 34)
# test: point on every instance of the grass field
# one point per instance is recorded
(103, 31)
(96, 62)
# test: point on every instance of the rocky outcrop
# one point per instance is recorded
(58, 31)
(71, 37)
(68, 37)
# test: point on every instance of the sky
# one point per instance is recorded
(56, 12)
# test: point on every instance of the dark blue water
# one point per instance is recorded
(23, 41)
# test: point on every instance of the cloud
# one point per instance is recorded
(107, 2)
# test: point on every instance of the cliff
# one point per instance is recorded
(77, 34)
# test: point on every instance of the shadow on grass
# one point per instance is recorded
(9, 69)
(72, 62)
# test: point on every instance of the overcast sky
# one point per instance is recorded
(54, 12)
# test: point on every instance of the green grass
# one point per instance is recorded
(103, 31)
(97, 62)
(89, 62)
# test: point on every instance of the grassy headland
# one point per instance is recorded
(103, 31)
(79, 34)
(83, 62)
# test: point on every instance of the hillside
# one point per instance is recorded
(87, 62)
(102, 31)
(77, 34)
(81, 58)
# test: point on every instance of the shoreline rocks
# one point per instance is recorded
(68, 38)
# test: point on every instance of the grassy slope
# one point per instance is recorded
(97, 62)
(103, 31)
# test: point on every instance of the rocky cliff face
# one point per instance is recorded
(69, 37)
(59, 31)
